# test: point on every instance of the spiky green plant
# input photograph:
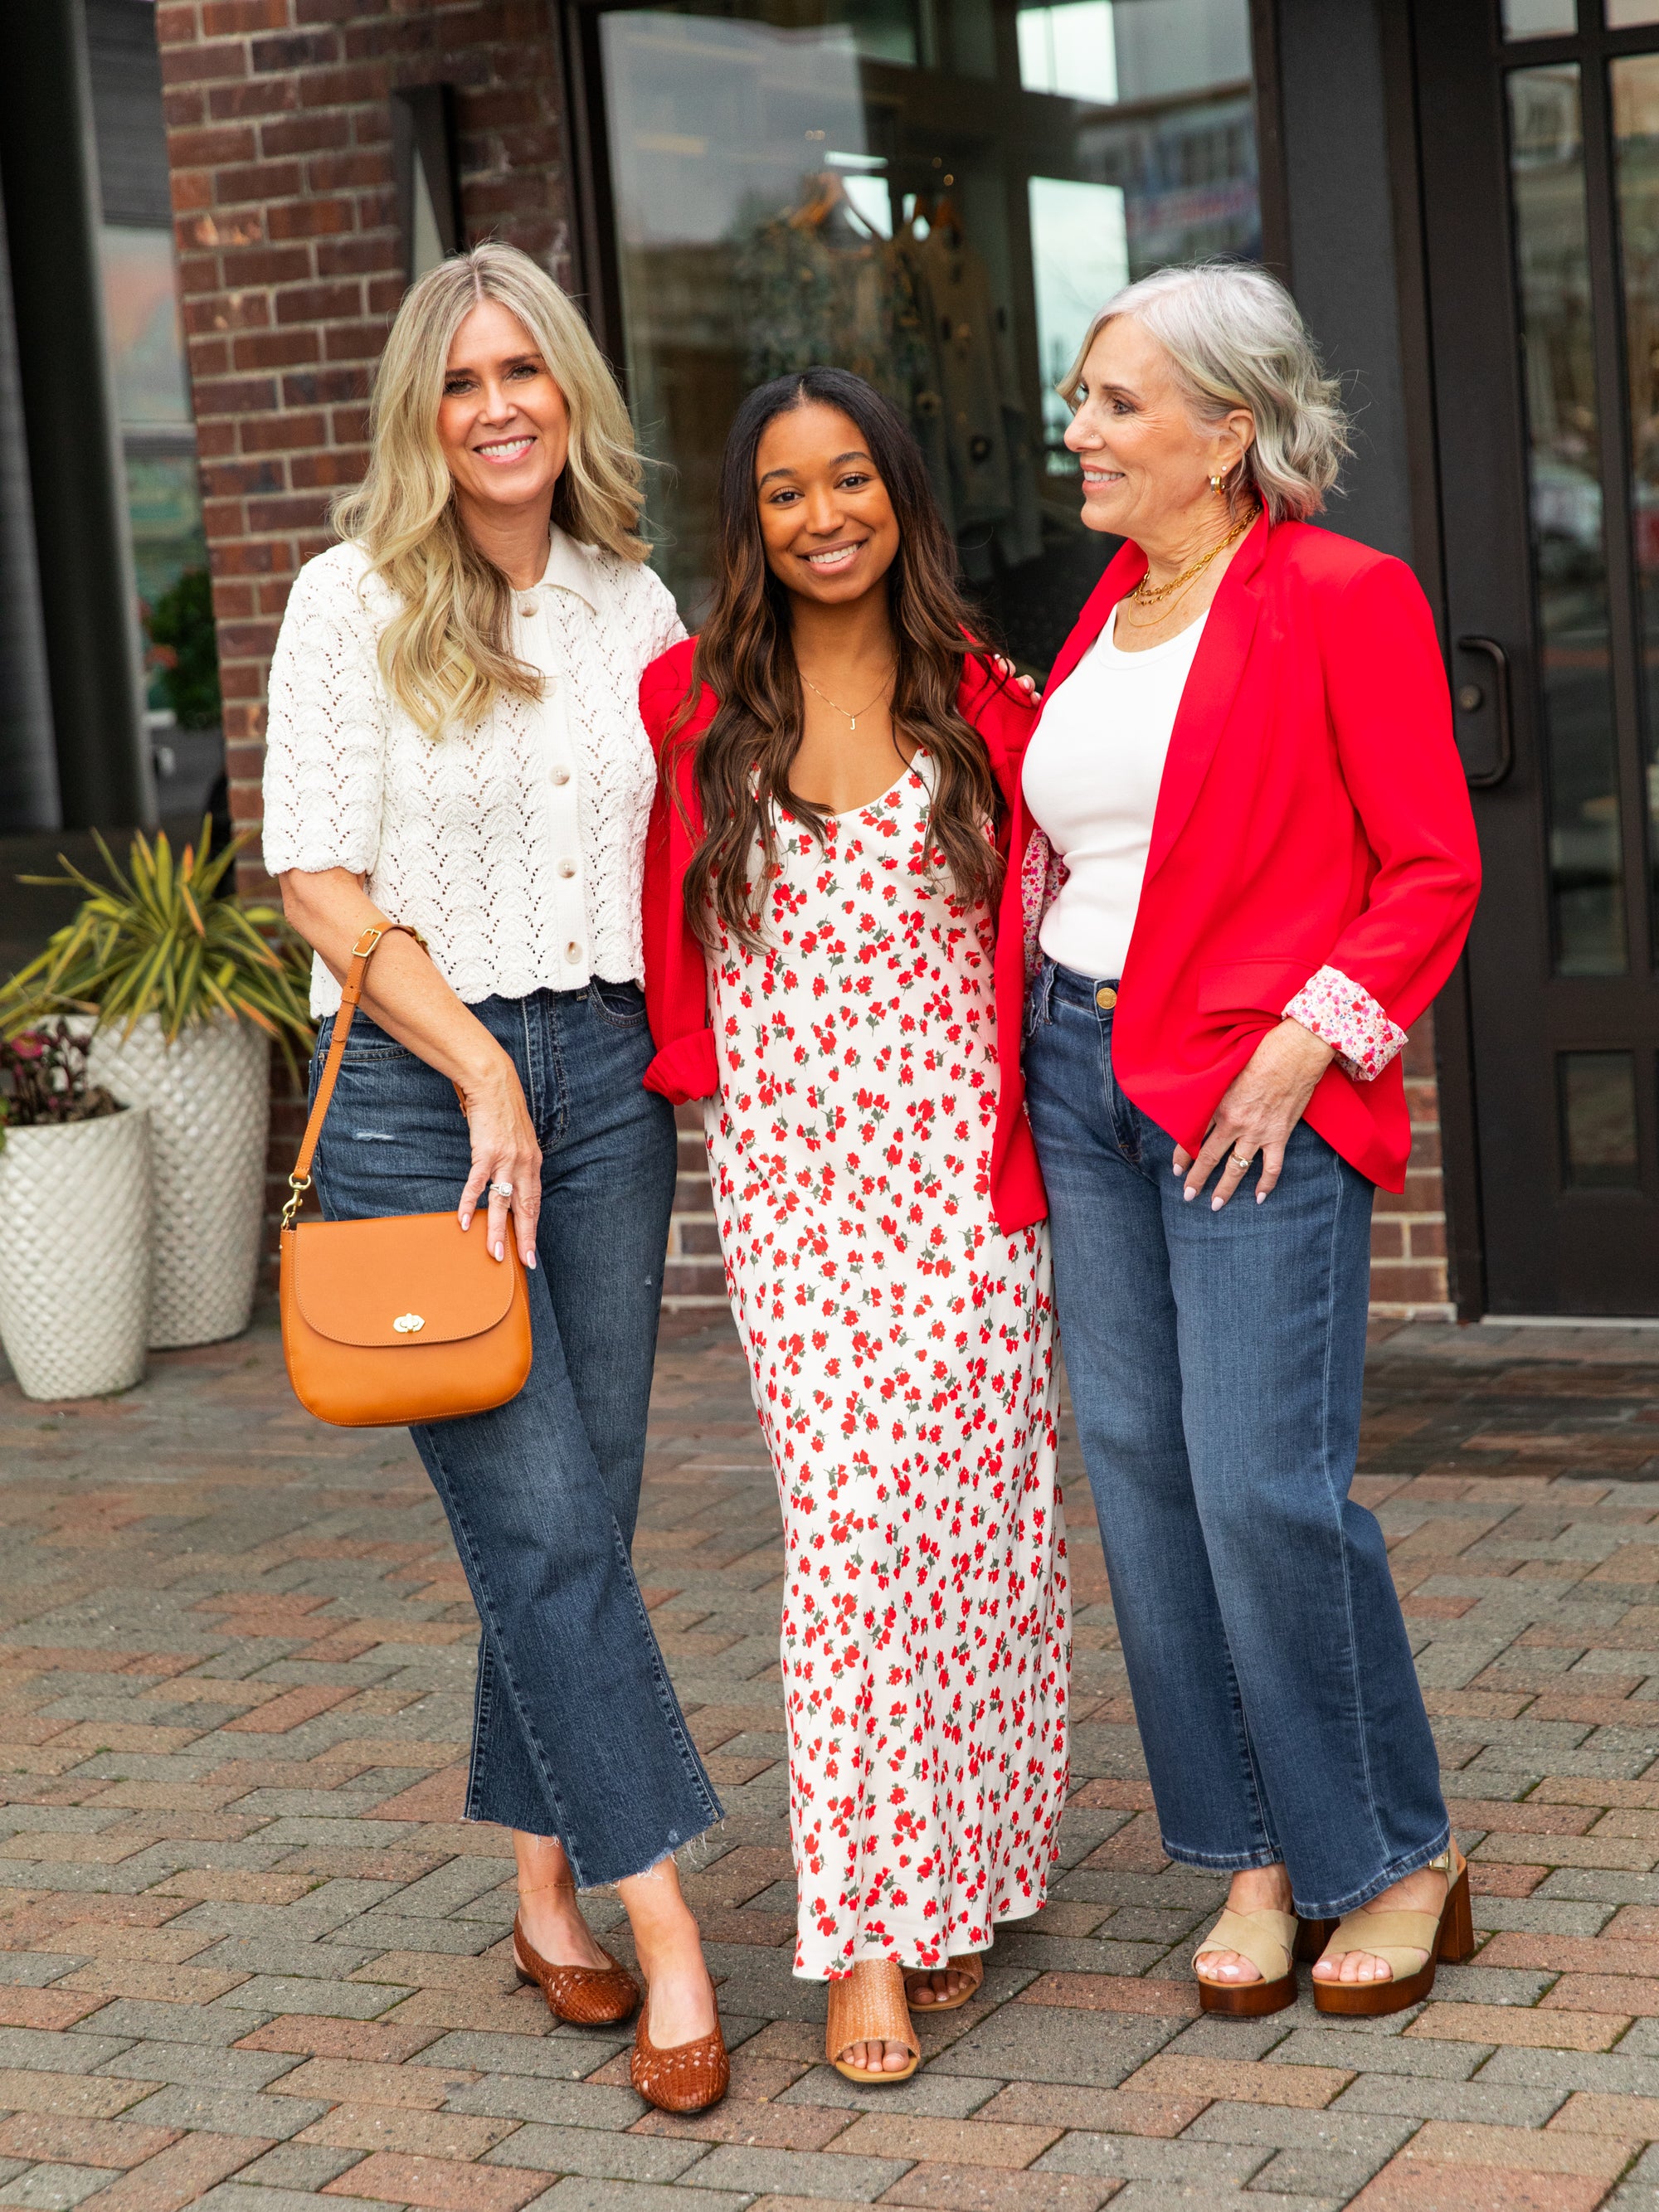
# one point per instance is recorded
(160, 938)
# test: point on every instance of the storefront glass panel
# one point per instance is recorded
(1636, 138)
(1538, 19)
(1569, 538)
(152, 403)
(939, 196)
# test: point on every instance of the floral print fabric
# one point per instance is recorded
(1346, 1016)
(901, 1349)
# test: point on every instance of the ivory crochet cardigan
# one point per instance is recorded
(517, 846)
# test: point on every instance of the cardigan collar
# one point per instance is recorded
(573, 567)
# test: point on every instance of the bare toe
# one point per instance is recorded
(1225, 1966)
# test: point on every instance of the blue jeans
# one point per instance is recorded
(577, 1732)
(1216, 1363)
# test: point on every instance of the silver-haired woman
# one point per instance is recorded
(455, 745)
(1245, 793)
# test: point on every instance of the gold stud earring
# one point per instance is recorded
(1217, 482)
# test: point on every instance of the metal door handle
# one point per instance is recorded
(1485, 779)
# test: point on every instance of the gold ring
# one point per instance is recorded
(1239, 1164)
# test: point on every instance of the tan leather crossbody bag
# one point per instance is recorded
(403, 1319)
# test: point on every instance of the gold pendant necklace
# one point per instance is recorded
(852, 719)
(1151, 598)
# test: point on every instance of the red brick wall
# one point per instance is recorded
(1408, 1232)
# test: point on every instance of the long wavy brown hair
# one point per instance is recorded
(745, 656)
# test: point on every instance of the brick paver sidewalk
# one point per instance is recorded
(251, 1957)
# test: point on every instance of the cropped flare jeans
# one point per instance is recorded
(577, 1732)
(1216, 1363)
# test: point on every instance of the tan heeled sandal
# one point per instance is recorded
(969, 1964)
(1271, 1942)
(867, 2006)
(1412, 1944)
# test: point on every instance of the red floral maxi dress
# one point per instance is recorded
(902, 1357)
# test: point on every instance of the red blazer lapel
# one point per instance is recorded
(1218, 667)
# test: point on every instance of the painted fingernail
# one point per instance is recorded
(1215, 1205)
(530, 1259)
(500, 1251)
(1190, 1194)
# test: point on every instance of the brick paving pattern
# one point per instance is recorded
(250, 1958)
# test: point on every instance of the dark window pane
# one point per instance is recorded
(1598, 1121)
(1568, 546)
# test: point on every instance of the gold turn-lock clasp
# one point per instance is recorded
(298, 1186)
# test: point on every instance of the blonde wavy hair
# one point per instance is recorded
(445, 655)
(1236, 339)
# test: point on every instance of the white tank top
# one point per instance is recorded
(1091, 780)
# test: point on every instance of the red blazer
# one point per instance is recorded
(1313, 813)
(676, 981)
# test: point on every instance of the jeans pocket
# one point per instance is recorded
(366, 1041)
(621, 1005)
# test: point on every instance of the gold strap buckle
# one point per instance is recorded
(298, 1185)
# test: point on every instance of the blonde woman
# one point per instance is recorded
(454, 744)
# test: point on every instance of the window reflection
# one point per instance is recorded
(1636, 128)
(806, 181)
(1598, 1143)
(1569, 547)
(1538, 19)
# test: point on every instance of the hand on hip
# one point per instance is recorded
(1258, 1108)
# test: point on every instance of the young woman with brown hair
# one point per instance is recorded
(822, 874)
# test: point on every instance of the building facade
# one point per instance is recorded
(1464, 195)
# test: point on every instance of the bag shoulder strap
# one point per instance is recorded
(350, 992)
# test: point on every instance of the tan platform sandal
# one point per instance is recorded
(970, 1963)
(1271, 1942)
(1412, 1943)
(867, 2006)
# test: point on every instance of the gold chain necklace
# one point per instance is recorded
(1168, 590)
(852, 719)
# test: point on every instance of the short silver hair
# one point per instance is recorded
(1236, 339)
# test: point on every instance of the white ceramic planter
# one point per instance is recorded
(75, 1221)
(209, 1096)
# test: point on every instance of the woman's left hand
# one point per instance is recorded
(1258, 1108)
(1006, 669)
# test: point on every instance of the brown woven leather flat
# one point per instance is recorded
(587, 1996)
(687, 2077)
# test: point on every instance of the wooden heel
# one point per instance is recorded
(1311, 1937)
(1457, 1929)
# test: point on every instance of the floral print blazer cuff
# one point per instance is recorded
(1344, 1015)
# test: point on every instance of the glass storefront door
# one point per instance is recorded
(936, 194)
(1540, 135)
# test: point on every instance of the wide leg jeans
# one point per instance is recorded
(1215, 1362)
(577, 1732)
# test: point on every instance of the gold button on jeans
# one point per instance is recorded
(1105, 998)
